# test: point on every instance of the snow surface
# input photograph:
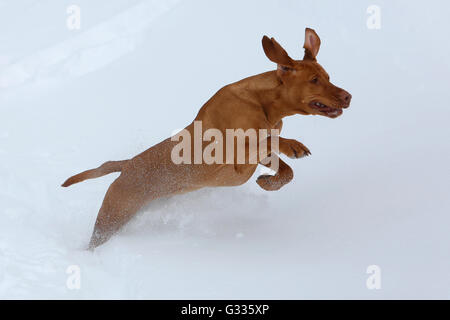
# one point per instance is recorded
(374, 191)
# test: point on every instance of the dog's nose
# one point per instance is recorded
(346, 98)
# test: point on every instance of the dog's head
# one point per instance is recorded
(306, 85)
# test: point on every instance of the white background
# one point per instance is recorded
(374, 191)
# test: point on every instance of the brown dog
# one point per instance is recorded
(258, 102)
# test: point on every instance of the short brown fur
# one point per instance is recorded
(258, 102)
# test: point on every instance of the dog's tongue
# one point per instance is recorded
(336, 112)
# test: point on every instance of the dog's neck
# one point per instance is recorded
(267, 90)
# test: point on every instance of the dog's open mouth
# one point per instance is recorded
(326, 110)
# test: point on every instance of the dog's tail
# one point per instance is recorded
(104, 169)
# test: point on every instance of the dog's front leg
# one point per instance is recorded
(290, 147)
(283, 176)
(293, 148)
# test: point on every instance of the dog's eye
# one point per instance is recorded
(315, 80)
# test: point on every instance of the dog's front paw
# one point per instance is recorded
(294, 149)
(268, 182)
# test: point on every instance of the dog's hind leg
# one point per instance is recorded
(122, 200)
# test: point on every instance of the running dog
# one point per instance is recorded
(258, 102)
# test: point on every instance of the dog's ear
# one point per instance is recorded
(276, 53)
(312, 44)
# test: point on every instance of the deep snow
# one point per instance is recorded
(374, 191)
